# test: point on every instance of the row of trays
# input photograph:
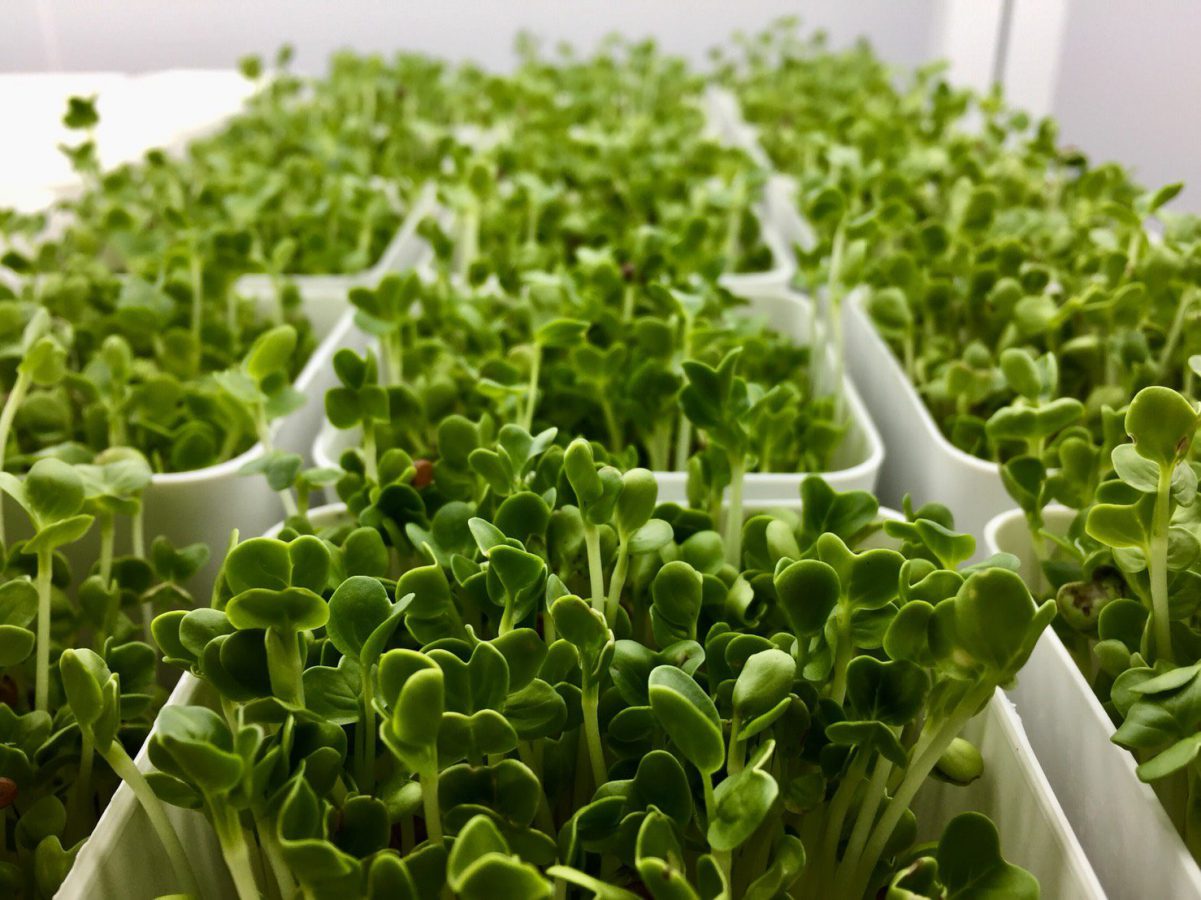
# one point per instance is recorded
(1068, 804)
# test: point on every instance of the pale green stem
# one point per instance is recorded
(864, 819)
(197, 269)
(83, 782)
(107, 537)
(733, 523)
(683, 444)
(394, 347)
(924, 761)
(595, 572)
(842, 655)
(531, 400)
(627, 303)
(684, 433)
(834, 315)
(15, 398)
(370, 454)
(529, 756)
(233, 847)
(736, 754)
(275, 859)
(284, 666)
(125, 769)
(1158, 565)
(618, 579)
(721, 856)
(468, 242)
(836, 816)
(429, 801)
(367, 776)
(1173, 338)
(734, 225)
(590, 702)
(42, 685)
(263, 430)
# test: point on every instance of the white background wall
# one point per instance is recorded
(1123, 76)
(137, 35)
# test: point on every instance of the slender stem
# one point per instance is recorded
(618, 579)
(736, 753)
(924, 761)
(15, 398)
(197, 269)
(595, 572)
(121, 764)
(429, 802)
(864, 819)
(284, 666)
(1158, 565)
(627, 303)
(107, 536)
(233, 847)
(683, 444)
(734, 225)
(733, 523)
(265, 828)
(1173, 338)
(684, 433)
(834, 313)
(531, 399)
(612, 426)
(843, 654)
(370, 454)
(529, 755)
(836, 816)
(590, 701)
(83, 782)
(367, 776)
(394, 348)
(722, 856)
(42, 685)
(137, 531)
(506, 617)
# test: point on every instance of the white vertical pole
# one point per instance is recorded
(967, 35)
(1030, 72)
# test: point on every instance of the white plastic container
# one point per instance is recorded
(856, 463)
(405, 251)
(1121, 824)
(775, 280)
(920, 461)
(205, 504)
(721, 118)
(1016, 794)
(1012, 791)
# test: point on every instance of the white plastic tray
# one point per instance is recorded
(1016, 794)
(856, 463)
(1013, 792)
(405, 251)
(205, 504)
(1121, 824)
(920, 460)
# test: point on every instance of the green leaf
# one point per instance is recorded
(688, 716)
(1161, 423)
(291, 609)
(808, 591)
(971, 865)
(356, 609)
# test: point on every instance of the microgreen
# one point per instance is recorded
(556, 680)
